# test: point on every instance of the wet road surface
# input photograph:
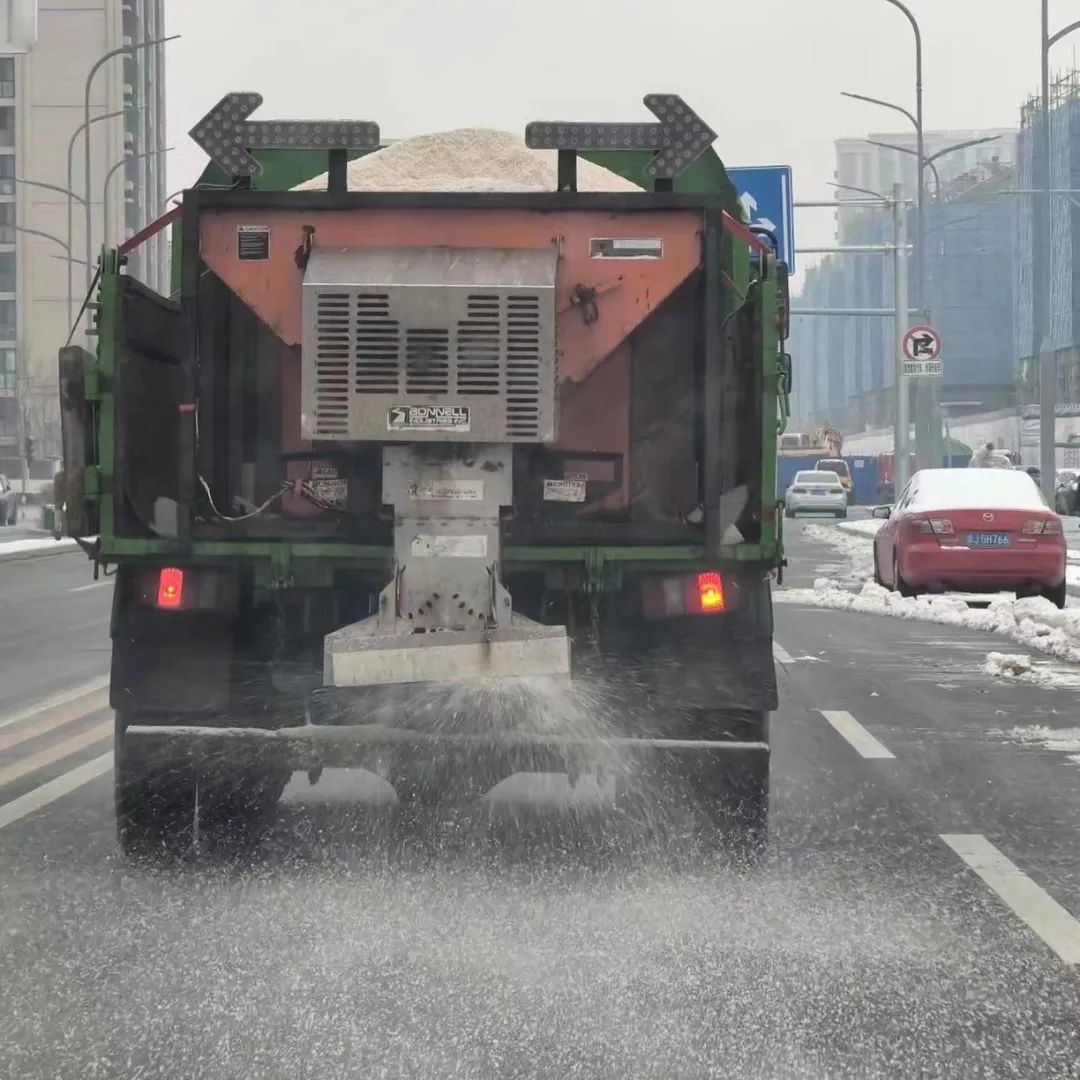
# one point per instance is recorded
(913, 915)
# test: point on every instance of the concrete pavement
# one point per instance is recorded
(914, 915)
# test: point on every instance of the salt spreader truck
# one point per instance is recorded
(379, 443)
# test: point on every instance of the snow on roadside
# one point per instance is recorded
(35, 544)
(1032, 622)
(862, 527)
(1019, 667)
(1061, 740)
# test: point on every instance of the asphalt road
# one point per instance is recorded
(554, 943)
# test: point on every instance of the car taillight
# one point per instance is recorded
(1042, 527)
(934, 526)
(836, 491)
(170, 593)
(696, 594)
(799, 491)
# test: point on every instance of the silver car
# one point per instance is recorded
(814, 492)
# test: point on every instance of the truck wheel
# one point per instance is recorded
(237, 806)
(789, 513)
(734, 800)
(154, 797)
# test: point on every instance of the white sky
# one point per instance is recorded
(765, 74)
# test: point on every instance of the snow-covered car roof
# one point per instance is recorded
(814, 476)
(974, 489)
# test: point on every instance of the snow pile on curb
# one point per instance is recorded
(859, 551)
(467, 159)
(864, 527)
(1034, 622)
(1007, 664)
(36, 545)
(1018, 668)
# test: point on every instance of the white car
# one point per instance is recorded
(815, 492)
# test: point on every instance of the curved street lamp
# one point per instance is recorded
(124, 50)
(108, 177)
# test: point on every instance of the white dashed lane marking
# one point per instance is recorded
(849, 728)
(1033, 904)
(781, 655)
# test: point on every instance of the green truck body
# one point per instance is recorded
(146, 431)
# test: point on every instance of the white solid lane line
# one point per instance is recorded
(63, 698)
(781, 654)
(54, 789)
(850, 728)
(93, 585)
(1042, 913)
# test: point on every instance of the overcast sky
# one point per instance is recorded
(765, 74)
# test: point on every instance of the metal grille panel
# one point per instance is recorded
(392, 328)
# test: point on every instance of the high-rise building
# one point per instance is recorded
(54, 46)
(861, 163)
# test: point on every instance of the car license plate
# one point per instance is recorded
(988, 540)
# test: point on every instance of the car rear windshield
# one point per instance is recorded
(815, 478)
(974, 489)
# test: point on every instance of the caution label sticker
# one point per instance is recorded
(449, 490)
(451, 418)
(432, 546)
(329, 487)
(572, 491)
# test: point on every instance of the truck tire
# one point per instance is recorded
(734, 802)
(154, 798)
(237, 806)
(732, 798)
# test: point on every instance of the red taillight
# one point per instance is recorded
(710, 592)
(1042, 527)
(695, 594)
(170, 593)
(934, 526)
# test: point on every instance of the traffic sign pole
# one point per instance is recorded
(900, 320)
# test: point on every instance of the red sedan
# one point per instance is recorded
(973, 530)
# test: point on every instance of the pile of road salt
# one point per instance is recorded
(468, 159)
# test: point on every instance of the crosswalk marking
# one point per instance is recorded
(54, 789)
(63, 698)
(56, 752)
(51, 719)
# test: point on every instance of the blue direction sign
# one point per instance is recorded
(765, 195)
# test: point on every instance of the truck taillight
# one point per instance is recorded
(170, 593)
(693, 594)
(710, 592)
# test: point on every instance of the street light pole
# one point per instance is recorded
(900, 323)
(1047, 356)
(70, 195)
(108, 177)
(71, 192)
(124, 50)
